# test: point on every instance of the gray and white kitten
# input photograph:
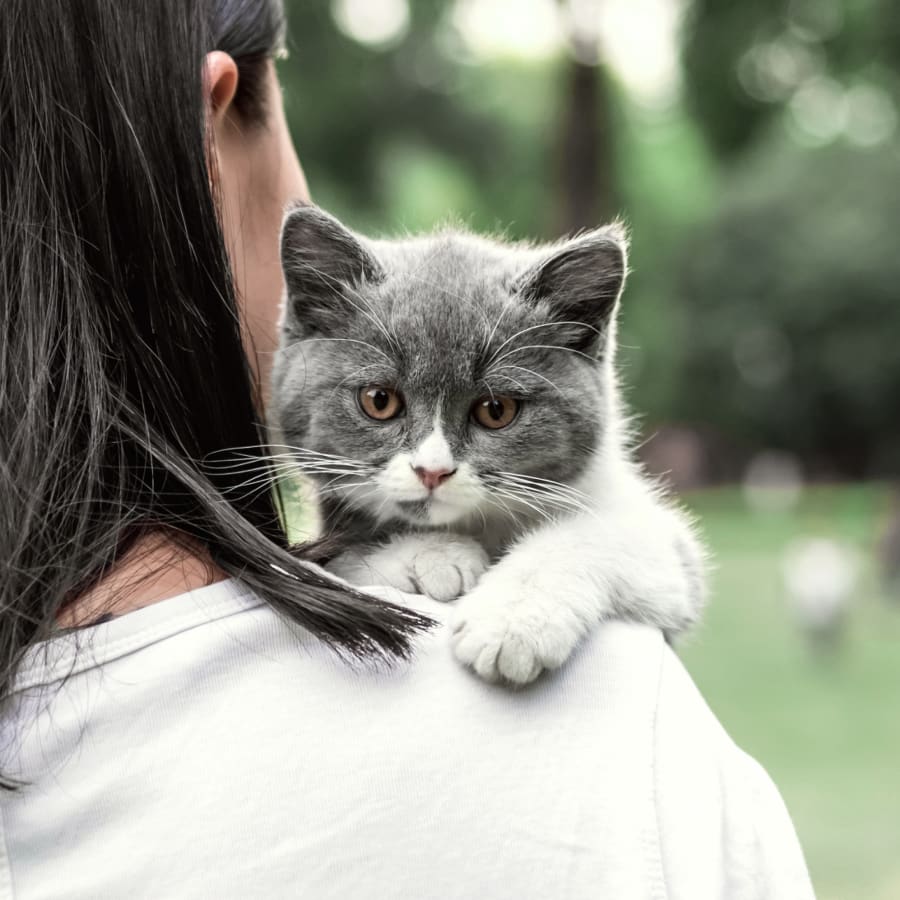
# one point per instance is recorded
(454, 399)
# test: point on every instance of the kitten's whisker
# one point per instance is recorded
(244, 470)
(565, 503)
(381, 506)
(334, 479)
(520, 498)
(315, 465)
(487, 343)
(369, 313)
(547, 482)
(557, 499)
(500, 504)
(248, 488)
(547, 490)
(480, 512)
(305, 451)
(515, 350)
(378, 350)
(530, 372)
(535, 327)
(327, 463)
(254, 486)
(294, 467)
(343, 486)
(291, 453)
(337, 473)
(553, 492)
(499, 374)
(272, 459)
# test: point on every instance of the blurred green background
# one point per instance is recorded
(752, 147)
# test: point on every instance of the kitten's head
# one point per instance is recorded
(444, 378)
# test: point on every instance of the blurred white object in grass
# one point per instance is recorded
(773, 482)
(820, 576)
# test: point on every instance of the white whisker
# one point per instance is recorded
(535, 327)
(366, 344)
(506, 491)
(544, 347)
(369, 313)
(487, 343)
(530, 372)
(560, 495)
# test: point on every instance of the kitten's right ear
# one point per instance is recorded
(580, 281)
(323, 264)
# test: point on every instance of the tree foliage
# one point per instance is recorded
(791, 308)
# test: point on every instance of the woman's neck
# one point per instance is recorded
(156, 568)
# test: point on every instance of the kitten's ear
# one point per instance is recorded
(323, 264)
(580, 281)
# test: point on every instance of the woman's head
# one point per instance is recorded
(254, 165)
(122, 373)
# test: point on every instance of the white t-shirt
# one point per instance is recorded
(203, 748)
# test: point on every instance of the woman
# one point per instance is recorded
(168, 729)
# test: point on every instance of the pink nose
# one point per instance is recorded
(431, 478)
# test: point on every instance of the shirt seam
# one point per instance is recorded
(77, 658)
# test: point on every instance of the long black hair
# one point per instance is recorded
(121, 364)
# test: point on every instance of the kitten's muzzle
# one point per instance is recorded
(432, 478)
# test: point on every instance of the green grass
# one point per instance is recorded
(827, 728)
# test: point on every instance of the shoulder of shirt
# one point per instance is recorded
(620, 654)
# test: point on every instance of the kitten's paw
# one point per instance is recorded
(443, 566)
(368, 567)
(503, 634)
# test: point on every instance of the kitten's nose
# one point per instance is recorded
(431, 478)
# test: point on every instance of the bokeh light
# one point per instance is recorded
(374, 22)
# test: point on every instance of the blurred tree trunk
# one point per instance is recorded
(587, 176)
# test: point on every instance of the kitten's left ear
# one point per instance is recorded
(581, 281)
(324, 265)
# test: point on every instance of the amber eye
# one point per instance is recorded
(495, 412)
(380, 403)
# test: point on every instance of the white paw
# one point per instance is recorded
(447, 566)
(441, 565)
(509, 629)
(367, 566)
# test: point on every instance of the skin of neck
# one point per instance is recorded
(156, 568)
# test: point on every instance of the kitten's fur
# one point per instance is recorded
(546, 527)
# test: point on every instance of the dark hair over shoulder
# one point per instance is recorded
(121, 363)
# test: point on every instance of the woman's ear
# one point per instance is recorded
(220, 83)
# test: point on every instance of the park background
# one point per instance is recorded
(752, 148)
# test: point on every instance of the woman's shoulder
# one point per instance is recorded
(208, 721)
(229, 621)
(624, 687)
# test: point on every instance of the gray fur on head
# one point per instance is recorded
(444, 320)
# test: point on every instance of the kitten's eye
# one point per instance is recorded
(495, 412)
(380, 403)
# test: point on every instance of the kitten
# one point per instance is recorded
(455, 401)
